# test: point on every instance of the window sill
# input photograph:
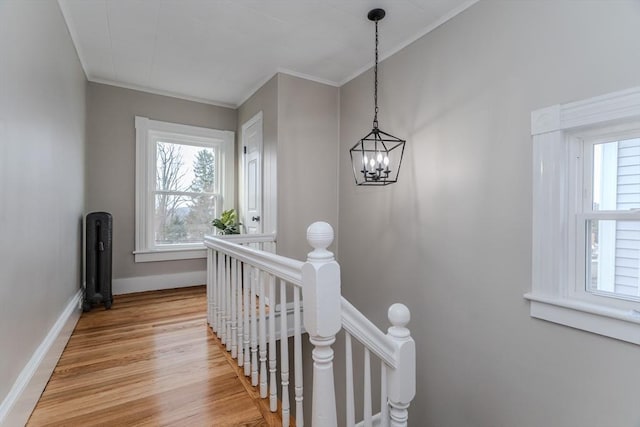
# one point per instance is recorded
(169, 255)
(614, 323)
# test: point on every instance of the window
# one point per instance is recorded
(586, 215)
(184, 179)
(611, 216)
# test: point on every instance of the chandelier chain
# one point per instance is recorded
(375, 92)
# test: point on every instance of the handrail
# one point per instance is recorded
(285, 268)
(353, 321)
(364, 331)
(242, 239)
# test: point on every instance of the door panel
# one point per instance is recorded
(252, 146)
(252, 193)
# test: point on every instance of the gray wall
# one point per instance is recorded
(300, 134)
(453, 238)
(308, 127)
(111, 156)
(42, 145)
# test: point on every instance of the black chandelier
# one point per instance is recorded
(376, 158)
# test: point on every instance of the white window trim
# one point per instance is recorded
(552, 295)
(145, 173)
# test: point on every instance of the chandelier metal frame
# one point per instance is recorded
(376, 158)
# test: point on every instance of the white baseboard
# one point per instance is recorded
(16, 408)
(129, 285)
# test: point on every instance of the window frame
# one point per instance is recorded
(558, 292)
(148, 132)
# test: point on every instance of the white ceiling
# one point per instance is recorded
(221, 51)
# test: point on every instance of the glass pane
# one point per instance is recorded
(613, 257)
(184, 168)
(183, 219)
(616, 175)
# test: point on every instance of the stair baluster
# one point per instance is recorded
(273, 386)
(284, 354)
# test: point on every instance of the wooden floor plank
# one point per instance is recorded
(149, 361)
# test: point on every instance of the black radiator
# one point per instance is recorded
(99, 231)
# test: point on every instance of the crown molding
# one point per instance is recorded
(66, 14)
(161, 92)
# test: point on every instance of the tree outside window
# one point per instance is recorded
(185, 193)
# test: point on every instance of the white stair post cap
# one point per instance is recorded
(319, 237)
(399, 315)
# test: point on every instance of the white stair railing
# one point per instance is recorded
(256, 298)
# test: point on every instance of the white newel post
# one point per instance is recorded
(322, 319)
(401, 382)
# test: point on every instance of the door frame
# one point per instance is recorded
(269, 179)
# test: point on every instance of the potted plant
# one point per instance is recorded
(227, 223)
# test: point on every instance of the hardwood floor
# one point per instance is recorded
(149, 361)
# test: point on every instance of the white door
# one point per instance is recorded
(252, 162)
